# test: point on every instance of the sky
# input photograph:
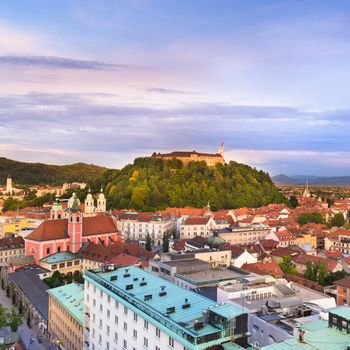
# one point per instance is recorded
(104, 82)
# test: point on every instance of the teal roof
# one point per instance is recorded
(59, 257)
(318, 336)
(342, 311)
(71, 297)
(176, 297)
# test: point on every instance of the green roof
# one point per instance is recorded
(318, 336)
(342, 311)
(71, 297)
(59, 257)
(157, 306)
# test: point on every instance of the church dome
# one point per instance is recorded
(73, 201)
(101, 195)
(89, 195)
(215, 241)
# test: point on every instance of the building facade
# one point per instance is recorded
(128, 308)
(66, 316)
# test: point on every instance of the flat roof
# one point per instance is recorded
(316, 337)
(342, 311)
(208, 276)
(71, 297)
(157, 306)
(59, 257)
(186, 263)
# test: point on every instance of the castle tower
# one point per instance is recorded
(75, 225)
(101, 203)
(57, 210)
(9, 189)
(89, 209)
(222, 149)
(306, 192)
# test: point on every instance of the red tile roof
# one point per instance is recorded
(125, 260)
(304, 258)
(264, 268)
(197, 221)
(332, 254)
(11, 243)
(58, 229)
(346, 259)
(345, 282)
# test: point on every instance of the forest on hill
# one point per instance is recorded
(37, 173)
(153, 184)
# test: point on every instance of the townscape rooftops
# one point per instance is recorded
(71, 297)
(11, 243)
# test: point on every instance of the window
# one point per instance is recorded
(108, 313)
(117, 304)
(125, 310)
(171, 342)
(100, 339)
(145, 342)
(100, 323)
(116, 319)
(115, 336)
(125, 344)
(107, 345)
(108, 329)
(76, 262)
(108, 298)
(134, 333)
(135, 316)
(125, 326)
(101, 307)
(54, 267)
(58, 249)
(47, 250)
(145, 324)
(157, 332)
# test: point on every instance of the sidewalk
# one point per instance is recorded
(24, 331)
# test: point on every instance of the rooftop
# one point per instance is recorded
(209, 276)
(27, 279)
(171, 307)
(318, 336)
(71, 298)
(58, 257)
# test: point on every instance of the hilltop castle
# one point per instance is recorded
(210, 158)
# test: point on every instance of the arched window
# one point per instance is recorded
(32, 250)
(78, 218)
(59, 216)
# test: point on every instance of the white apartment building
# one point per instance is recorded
(244, 235)
(130, 309)
(136, 226)
(201, 226)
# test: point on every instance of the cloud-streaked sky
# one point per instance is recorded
(106, 81)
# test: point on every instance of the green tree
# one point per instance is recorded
(15, 320)
(293, 200)
(13, 298)
(3, 317)
(55, 280)
(148, 245)
(314, 217)
(287, 266)
(165, 242)
(309, 272)
(29, 320)
(322, 273)
(337, 220)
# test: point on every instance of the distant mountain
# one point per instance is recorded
(312, 180)
(38, 173)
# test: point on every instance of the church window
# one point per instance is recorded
(58, 249)
(59, 216)
(78, 218)
(47, 250)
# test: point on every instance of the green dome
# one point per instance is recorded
(215, 241)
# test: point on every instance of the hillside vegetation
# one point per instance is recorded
(153, 184)
(38, 173)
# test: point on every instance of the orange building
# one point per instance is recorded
(343, 291)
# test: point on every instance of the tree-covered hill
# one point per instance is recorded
(38, 173)
(153, 184)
